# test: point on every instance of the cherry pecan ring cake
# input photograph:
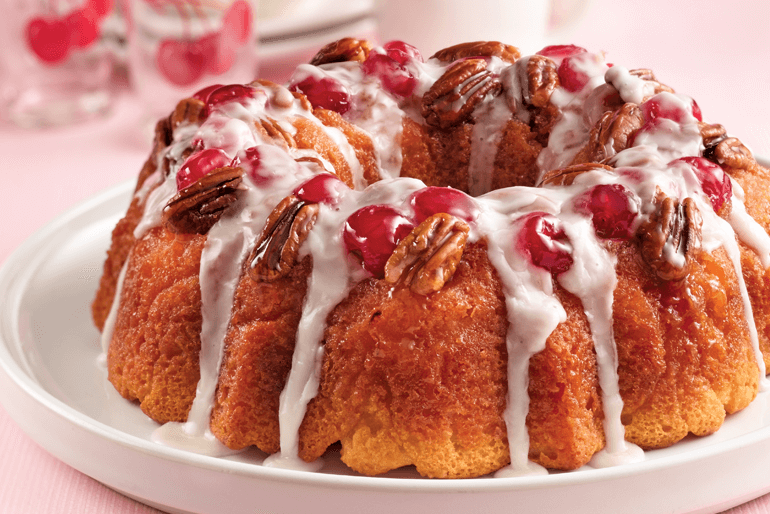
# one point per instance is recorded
(473, 263)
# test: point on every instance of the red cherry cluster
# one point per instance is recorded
(571, 76)
(52, 38)
(392, 67)
(714, 182)
(184, 62)
(542, 240)
(373, 232)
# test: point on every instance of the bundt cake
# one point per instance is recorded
(480, 262)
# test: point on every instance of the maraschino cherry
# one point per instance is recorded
(391, 67)
(543, 241)
(322, 188)
(714, 182)
(200, 164)
(231, 93)
(372, 233)
(324, 93)
(568, 57)
(431, 200)
(664, 106)
(613, 210)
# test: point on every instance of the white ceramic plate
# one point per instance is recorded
(53, 385)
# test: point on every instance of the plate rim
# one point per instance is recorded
(13, 281)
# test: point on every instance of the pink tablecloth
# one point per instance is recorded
(714, 53)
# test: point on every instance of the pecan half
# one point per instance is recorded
(732, 153)
(611, 134)
(711, 134)
(530, 82)
(669, 236)
(276, 132)
(315, 160)
(647, 75)
(279, 96)
(190, 110)
(452, 98)
(543, 79)
(196, 208)
(346, 49)
(277, 247)
(566, 176)
(505, 52)
(427, 258)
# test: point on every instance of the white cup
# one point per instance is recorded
(58, 68)
(431, 25)
(177, 47)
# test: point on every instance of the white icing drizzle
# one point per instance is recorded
(533, 313)
(330, 282)
(359, 182)
(567, 137)
(491, 119)
(225, 249)
(671, 139)
(747, 229)
(141, 194)
(533, 310)
(109, 324)
(514, 79)
(328, 285)
(153, 208)
(631, 88)
(721, 229)
(590, 279)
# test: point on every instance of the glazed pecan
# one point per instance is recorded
(542, 78)
(278, 245)
(277, 133)
(711, 134)
(279, 95)
(196, 208)
(530, 82)
(452, 98)
(566, 176)
(315, 160)
(611, 134)
(649, 76)
(190, 110)
(507, 53)
(346, 49)
(427, 258)
(669, 236)
(734, 154)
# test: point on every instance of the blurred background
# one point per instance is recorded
(717, 52)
